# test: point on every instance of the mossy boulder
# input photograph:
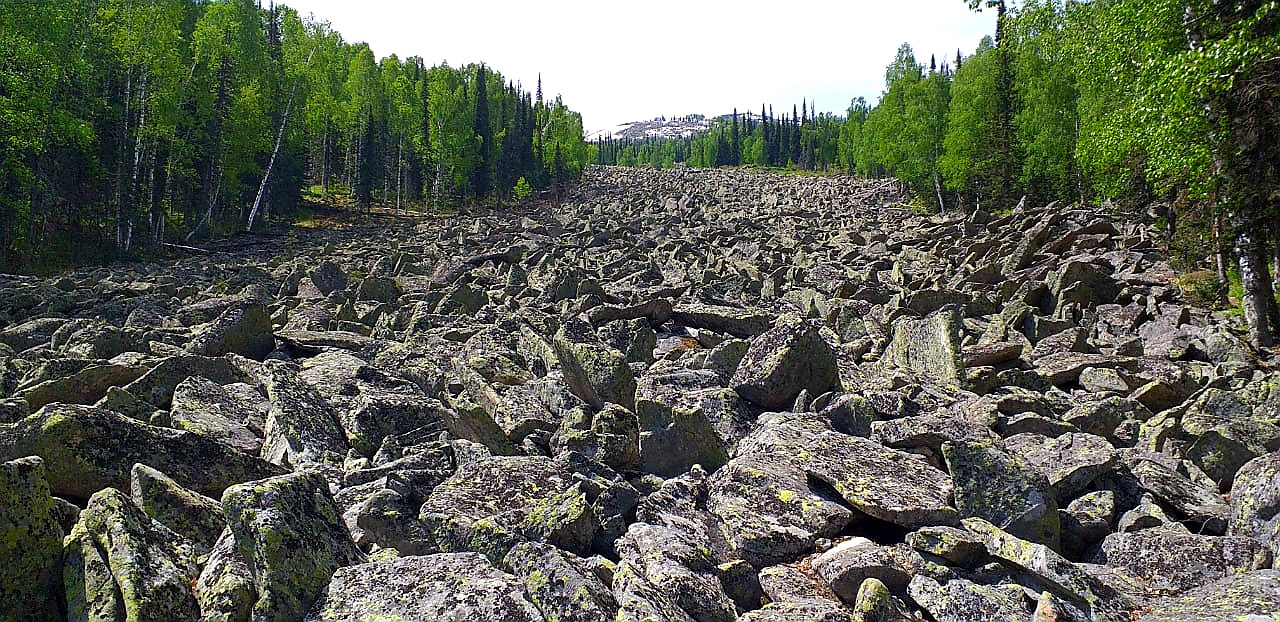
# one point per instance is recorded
(188, 513)
(30, 543)
(1246, 596)
(1004, 489)
(244, 328)
(595, 372)
(445, 586)
(929, 348)
(204, 407)
(960, 600)
(87, 449)
(122, 564)
(1173, 562)
(783, 361)
(225, 588)
(563, 586)
(290, 533)
(1255, 501)
(302, 426)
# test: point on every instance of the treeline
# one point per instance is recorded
(125, 124)
(802, 140)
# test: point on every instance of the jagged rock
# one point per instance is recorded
(379, 289)
(1004, 489)
(1086, 521)
(741, 323)
(189, 514)
(83, 387)
(1245, 596)
(225, 589)
(291, 535)
(86, 449)
(1225, 434)
(957, 546)
(1180, 561)
(595, 372)
(1070, 462)
(302, 428)
(1255, 501)
(929, 347)
(963, 601)
(612, 437)
(639, 601)
(1194, 500)
(446, 586)
(678, 566)
(30, 543)
(122, 564)
(203, 407)
(327, 278)
(562, 586)
(781, 362)
(494, 503)
(244, 328)
(847, 565)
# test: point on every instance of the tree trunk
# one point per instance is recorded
(1256, 283)
(1219, 250)
(266, 176)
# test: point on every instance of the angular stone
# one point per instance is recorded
(87, 449)
(225, 588)
(1181, 561)
(1070, 462)
(1248, 596)
(957, 546)
(1003, 489)
(595, 372)
(203, 407)
(189, 514)
(741, 323)
(30, 543)
(561, 585)
(680, 567)
(302, 428)
(291, 534)
(445, 586)
(783, 361)
(846, 565)
(1255, 501)
(964, 601)
(929, 348)
(150, 569)
(83, 387)
(244, 328)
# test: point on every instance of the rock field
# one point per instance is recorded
(681, 396)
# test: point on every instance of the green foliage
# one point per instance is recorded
(1203, 289)
(522, 190)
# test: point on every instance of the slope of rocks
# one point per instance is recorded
(682, 395)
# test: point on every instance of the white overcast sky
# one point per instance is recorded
(626, 61)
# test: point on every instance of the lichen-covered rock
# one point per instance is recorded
(1224, 433)
(122, 564)
(1086, 521)
(1180, 561)
(848, 564)
(1197, 501)
(491, 504)
(679, 566)
(770, 511)
(83, 387)
(929, 348)
(957, 546)
(30, 543)
(1255, 501)
(1070, 462)
(884, 483)
(225, 588)
(327, 278)
(204, 407)
(1003, 489)
(595, 372)
(784, 360)
(611, 437)
(244, 328)
(445, 586)
(1238, 597)
(291, 535)
(959, 600)
(639, 601)
(389, 520)
(741, 323)
(86, 449)
(302, 428)
(560, 584)
(189, 514)
(687, 418)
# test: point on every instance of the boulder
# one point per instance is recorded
(445, 586)
(86, 449)
(203, 407)
(302, 428)
(781, 362)
(189, 514)
(244, 328)
(562, 586)
(1245, 596)
(595, 372)
(30, 542)
(290, 533)
(929, 348)
(1175, 562)
(225, 589)
(1003, 489)
(959, 600)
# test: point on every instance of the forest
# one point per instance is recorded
(133, 124)
(1170, 107)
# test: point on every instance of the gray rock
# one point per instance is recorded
(1255, 501)
(846, 565)
(963, 601)
(86, 449)
(595, 372)
(446, 586)
(203, 407)
(30, 542)
(741, 323)
(1248, 596)
(781, 362)
(302, 428)
(957, 546)
(1070, 462)
(225, 588)
(291, 535)
(1181, 561)
(244, 328)
(189, 514)
(122, 564)
(929, 348)
(1004, 489)
(561, 585)
(82, 387)
(676, 565)
(1086, 521)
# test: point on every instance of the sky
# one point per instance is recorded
(629, 61)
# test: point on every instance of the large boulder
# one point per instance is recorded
(783, 361)
(1173, 562)
(929, 347)
(1245, 596)
(190, 514)
(1255, 501)
(204, 407)
(1003, 489)
(290, 532)
(594, 372)
(302, 428)
(121, 561)
(445, 586)
(30, 543)
(563, 586)
(86, 449)
(244, 328)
